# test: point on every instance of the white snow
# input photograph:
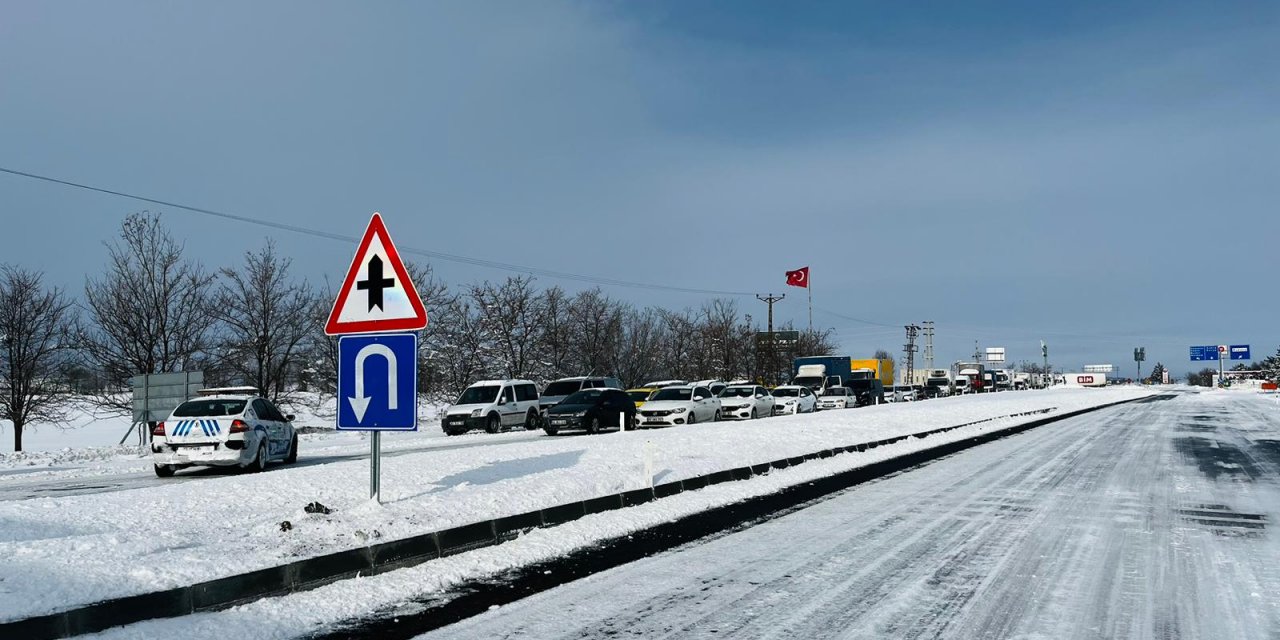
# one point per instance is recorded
(67, 551)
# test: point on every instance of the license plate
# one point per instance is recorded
(192, 452)
(653, 422)
(559, 423)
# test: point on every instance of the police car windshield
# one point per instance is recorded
(786, 393)
(479, 395)
(209, 408)
(738, 392)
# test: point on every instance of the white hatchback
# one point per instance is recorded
(223, 430)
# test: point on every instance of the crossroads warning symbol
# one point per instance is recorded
(377, 295)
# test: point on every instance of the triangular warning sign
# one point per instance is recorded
(377, 294)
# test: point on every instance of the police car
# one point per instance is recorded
(224, 427)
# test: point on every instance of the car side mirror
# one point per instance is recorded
(289, 417)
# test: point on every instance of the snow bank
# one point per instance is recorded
(69, 551)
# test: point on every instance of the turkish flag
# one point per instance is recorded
(799, 277)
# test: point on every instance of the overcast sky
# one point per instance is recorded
(1094, 175)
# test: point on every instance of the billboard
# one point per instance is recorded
(995, 354)
(1099, 368)
(156, 395)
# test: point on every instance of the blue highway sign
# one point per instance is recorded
(1209, 352)
(378, 382)
(1240, 352)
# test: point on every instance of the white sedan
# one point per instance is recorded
(745, 401)
(836, 398)
(672, 406)
(793, 398)
(227, 428)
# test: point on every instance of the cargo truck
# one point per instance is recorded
(865, 377)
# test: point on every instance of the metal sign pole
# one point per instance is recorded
(375, 466)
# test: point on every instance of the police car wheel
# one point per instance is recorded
(165, 470)
(293, 451)
(260, 461)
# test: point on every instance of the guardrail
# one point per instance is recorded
(310, 573)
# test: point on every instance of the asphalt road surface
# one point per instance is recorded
(1150, 520)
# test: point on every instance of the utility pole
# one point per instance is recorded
(1044, 352)
(910, 350)
(1140, 354)
(928, 344)
(773, 342)
(977, 353)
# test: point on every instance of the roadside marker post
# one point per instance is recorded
(377, 367)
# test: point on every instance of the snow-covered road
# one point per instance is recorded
(1149, 520)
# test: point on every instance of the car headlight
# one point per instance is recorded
(476, 413)
(790, 402)
(679, 410)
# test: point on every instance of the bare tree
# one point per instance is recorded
(150, 310)
(511, 313)
(267, 318)
(639, 351)
(439, 302)
(34, 325)
(596, 322)
(556, 335)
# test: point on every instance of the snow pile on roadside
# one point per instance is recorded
(73, 550)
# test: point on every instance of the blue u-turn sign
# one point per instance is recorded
(378, 382)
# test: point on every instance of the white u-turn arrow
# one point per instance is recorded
(360, 403)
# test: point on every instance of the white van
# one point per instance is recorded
(494, 405)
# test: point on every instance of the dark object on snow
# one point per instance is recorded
(286, 526)
(316, 507)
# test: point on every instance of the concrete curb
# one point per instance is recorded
(310, 573)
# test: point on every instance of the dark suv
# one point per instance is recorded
(564, 387)
(591, 410)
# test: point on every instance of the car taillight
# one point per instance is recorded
(157, 430)
(239, 426)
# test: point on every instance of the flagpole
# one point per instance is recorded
(808, 282)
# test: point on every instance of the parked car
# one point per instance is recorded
(494, 405)
(686, 404)
(716, 386)
(658, 384)
(564, 387)
(791, 398)
(745, 401)
(591, 410)
(223, 430)
(640, 394)
(836, 398)
(909, 393)
(891, 393)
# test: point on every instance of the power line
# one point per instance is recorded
(438, 255)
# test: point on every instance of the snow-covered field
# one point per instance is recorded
(62, 552)
(88, 444)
